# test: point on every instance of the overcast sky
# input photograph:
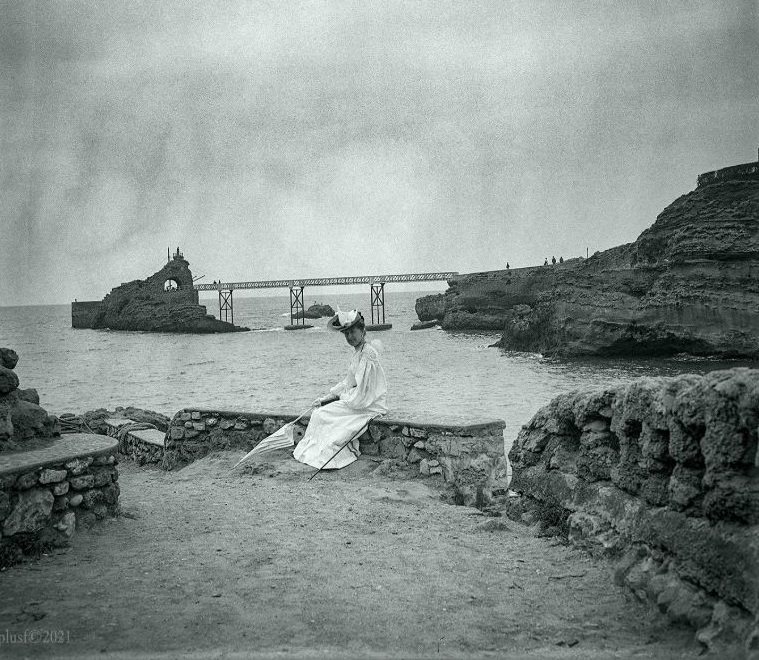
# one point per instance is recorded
(310, 139)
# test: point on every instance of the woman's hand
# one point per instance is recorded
(323, 402)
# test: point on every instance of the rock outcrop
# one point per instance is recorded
(661, 474)
(688, 284)
(164, 302)
(316, 311)
(22, 420)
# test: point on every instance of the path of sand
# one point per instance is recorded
(364, 562)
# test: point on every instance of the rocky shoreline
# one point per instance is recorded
(688, 284)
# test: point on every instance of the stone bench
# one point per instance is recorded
(470, 457)
(46, 493)
(142, 445)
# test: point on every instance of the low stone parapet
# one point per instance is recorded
(470, 457)
(663, 475)
(141, 442)
(46, 493)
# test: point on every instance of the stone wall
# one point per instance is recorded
(744, 171)
(136, 443)
(46, 493)
(663, 475)
(468, 457)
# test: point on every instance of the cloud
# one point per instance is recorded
(264, 137)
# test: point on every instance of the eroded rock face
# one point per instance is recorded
(146, 305)
(688, 284)
(21, 417)
(664, 474)
(429, 308)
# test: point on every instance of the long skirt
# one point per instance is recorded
(329, 428)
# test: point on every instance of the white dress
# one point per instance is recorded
(362, 396)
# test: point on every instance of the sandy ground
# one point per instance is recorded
(363, 562)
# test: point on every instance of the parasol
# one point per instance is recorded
(280, 439)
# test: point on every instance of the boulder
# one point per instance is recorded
(31, 395)
(6, 424)
(21, 417)
(8, 380)
(8, 358)
(316, 311)
(30, 420)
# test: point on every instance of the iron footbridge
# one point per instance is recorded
(296, 287)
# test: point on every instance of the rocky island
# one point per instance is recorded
(164, 302)
(316, 311)
(688, 284)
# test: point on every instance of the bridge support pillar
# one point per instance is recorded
(297, 317)
(226, 306)
(378, 308)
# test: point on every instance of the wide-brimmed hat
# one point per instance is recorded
(344, 320)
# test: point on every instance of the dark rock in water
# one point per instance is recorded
(164, 302)
(688, 284)
(8, 358)
(429, 308)
(423, 325)
(315, 312)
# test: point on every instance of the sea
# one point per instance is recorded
(433, 375)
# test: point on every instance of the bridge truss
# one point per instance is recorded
(297, 308)
(326, 281)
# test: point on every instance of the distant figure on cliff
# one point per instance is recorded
(331, 439)
(507, 265)
(553, 260)
(545, 263)
(561, 260)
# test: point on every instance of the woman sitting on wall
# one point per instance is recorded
(360, 396)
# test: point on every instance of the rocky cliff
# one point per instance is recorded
(164, 302)
(689, 283)
(661, 475)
